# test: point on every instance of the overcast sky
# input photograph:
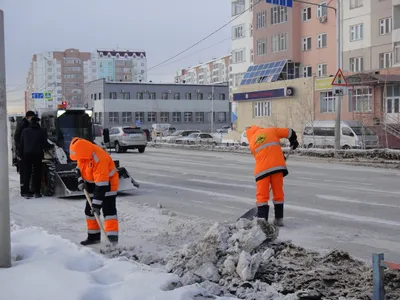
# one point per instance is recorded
(161, 28)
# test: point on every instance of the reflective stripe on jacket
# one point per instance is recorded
(266, 148)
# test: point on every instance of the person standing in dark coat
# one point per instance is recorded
(17, 138)
(32, 144)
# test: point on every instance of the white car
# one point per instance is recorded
(179, 134)
(243, 139)
(197, 138)
(124, 138)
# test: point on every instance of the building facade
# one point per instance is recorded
(60, 73)
(184, 106)
(211, 72)
(242, 40)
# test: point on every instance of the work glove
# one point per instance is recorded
(294, 145)
(82, 185)
(96, 209)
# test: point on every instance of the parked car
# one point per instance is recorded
(197, 138)
(243, 139)
(224, 129)
(98, 135)
(124, 138)
(179, 134)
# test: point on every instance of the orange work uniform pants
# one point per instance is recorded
(263, 189)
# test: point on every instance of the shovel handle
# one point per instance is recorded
(97, 217)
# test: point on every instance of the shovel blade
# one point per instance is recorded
(250, 214)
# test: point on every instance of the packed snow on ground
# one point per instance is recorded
(48, 267)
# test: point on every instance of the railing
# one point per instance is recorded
(378, 266)
(393, 127)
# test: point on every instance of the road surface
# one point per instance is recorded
(328, 206)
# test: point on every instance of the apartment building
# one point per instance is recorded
(184, 105)
(242, 40)
(211, 72)
(60, 73)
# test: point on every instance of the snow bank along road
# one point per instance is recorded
(327, 205)
(352, 208)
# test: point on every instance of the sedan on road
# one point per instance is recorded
(197, 138)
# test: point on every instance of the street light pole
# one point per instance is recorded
(5, 239)
(212, 108)
(339, 66)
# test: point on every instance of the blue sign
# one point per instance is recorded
(37, 96)
(267, 94)
(287, 3)
(138, 123)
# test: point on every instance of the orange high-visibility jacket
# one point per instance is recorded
(266, 148)
(96, 166)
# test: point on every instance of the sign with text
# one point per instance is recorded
(267, 94)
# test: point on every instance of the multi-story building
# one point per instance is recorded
(60, 73)
(211, 72)
(118, 65)
(185, 106)
(242, 39)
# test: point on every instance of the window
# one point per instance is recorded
(356, 32)
(126, 117)
(279, 42)
(199, 96)
(238, 7)
(322, 70)
(251, 30)
(327, 102)
(385, 60)
(385, 26)
(322, 40)
(139, 95)
(164, 117)
(164, 96)
(177, 96)
(222, 96)
(113, 117)
(278, 14)
(356, 64)
(360, 99)
(321, 10)
(262, 46)
(238, 56)
(251, 55)
(307, 71)
(262, 109)
(126, 95)
(306, 45)
(199, 117)
(397, 53)
(238, 32)
(306, 15)
(261, 19)
(152, 96)
(356, 3)
(221, 117)
(151, 117)
(188, 117)
(347, 131)
(188, 96)
(176, 117)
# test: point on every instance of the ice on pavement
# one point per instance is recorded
(48, 267)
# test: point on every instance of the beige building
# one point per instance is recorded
(279, 104)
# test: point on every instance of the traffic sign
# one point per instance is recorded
(137, 123)
(37, 96)
(48, 96)
(287, 3)
(339, 79)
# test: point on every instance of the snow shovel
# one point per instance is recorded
(251, 213)
(97, 218)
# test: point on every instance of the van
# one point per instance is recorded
(353, 135)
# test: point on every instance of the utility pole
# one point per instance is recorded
(339, 66)
(5, 232)
(212, 107)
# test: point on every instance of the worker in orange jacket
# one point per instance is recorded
(96, 166)
(270, 167)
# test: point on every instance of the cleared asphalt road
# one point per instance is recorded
(356, 209)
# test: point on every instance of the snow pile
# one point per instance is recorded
(246, 261)
(47, 267)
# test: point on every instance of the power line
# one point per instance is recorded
(203, 39)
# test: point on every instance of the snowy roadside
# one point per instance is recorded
(385, 158)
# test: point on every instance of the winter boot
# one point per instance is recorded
(27, 195)
(92, 239)
(113, 239)
(38, 195)
(263, 212)
(278, 215)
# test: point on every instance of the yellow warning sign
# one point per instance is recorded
(339, 79)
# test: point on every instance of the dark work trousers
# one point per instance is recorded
(21, 175)
(32, 166)
(110, 219)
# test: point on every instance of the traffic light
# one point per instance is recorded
(64, 104)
